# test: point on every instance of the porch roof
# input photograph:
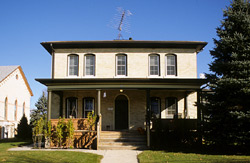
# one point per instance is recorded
(123, 83)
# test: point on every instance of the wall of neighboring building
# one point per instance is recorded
(15, 90)
(137, 62)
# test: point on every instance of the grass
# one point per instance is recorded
(42, 156)
(163, 156)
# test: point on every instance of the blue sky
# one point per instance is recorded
(24, 24)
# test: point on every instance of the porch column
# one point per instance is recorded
(148, 116)
(99, 115)
(199, 118)
(49, 105)
(185, 105)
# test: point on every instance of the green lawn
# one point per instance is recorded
(43, 156)
(162, 156)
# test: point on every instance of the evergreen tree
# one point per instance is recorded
(228, 108)
(41, 109)
(23, 129)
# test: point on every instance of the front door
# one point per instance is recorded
(121, 113)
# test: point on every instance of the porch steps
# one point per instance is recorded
(122, 140)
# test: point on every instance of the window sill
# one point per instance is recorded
(89, 76)
(154, 76)
(120, 76)
(73, 76)
(170, 76)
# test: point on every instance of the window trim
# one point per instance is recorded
(83, 105)
(126, 65)
(69, 65)
(166, 65)
(176, 109)
(67, 104)
(15, 110)
(23, 108)
(85, 74)
(149, 65)
(6, 108)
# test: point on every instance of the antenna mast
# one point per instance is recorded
(120, 26)
(121, 22)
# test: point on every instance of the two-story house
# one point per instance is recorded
(125, 82)
(15, 94)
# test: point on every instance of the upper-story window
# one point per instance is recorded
(89, 65)
(171, 65)
(154, 65)
(73, 61)
(121, 65)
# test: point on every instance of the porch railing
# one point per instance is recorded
(84, 134)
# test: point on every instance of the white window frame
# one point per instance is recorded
(121, 65)
(69, 65)
(158, 58)
(175, 65)
(85, 65)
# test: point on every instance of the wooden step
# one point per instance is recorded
(123, 147)
(122, 140)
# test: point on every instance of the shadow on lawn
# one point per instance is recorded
(209, 150)
(15, 140)
(187, 143)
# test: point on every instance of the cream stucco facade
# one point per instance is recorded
(137, 62)
(137, 91)
(15, 95)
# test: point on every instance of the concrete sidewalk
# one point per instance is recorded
(114, 156)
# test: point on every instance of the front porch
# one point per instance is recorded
(122, 105)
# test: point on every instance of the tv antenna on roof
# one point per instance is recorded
(120, 22)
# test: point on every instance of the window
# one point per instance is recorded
(73, 65)
(88, 106)
(171, 65)
(121, 64)
(23, 108)
(171, 107)
(15, 111)
(6, 108)
(89, 65)
(154, 64)
(71, 109)
(155, 107)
